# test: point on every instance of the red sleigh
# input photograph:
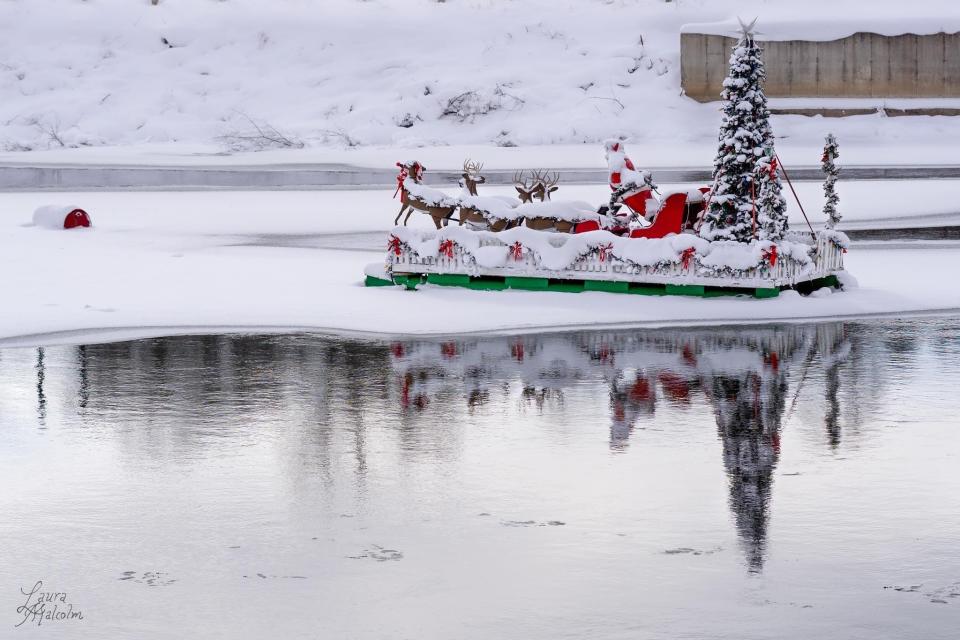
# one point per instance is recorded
(678, 212)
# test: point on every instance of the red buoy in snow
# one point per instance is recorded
(61, 217)
(76, 218)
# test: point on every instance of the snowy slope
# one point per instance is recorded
(247, 74)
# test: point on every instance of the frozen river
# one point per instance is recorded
(789, 481)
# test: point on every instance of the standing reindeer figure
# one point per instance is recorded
(471, 176)
(526, 188)
(414, 196)
(545, 185)
(495, 213)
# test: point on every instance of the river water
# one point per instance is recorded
(789, 481)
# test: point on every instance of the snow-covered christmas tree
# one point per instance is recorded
(831, 151)
(747, 202)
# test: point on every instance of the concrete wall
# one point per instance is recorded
(864, 65)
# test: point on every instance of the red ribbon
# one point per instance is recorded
(604, 249)
(394, 245)
(446, 248)
(517, 251)
(687, 256)
(771, 255)
(773, 167)
(400, 178)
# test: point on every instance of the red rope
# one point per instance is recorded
(794, 191)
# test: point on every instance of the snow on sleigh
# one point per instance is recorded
(728, 238)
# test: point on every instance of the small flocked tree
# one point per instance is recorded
(747, 200)
(831, 151)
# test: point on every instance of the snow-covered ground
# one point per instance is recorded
(167, 263)
(361, 82)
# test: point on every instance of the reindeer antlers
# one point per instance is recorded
(520, 180)
(472, 168)
(548, 180)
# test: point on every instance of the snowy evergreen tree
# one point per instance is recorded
(831, 151)
(747, 200)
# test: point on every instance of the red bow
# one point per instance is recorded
(400, 178)
(604, 249)
(517, 251)
(773, 167)
(394, 245)
(771, 255)
(687, 256)
(446, 248)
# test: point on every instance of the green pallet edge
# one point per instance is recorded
(484, 284)
(685, 290)
(377, 282)
(606, 285)
(449, 279)
(529, 284)
(488, 283)
(647, 289)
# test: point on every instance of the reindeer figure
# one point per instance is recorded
(526, 188)
(414, 196)
(546, 185)
(543, 185)
(493, 212)
(471, 176)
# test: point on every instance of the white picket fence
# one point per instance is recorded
(827, 260)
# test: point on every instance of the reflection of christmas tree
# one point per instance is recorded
(748, 408)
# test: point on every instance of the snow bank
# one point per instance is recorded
(271, 77)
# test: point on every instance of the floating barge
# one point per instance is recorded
(682, 264)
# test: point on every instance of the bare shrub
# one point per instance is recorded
(260, 136)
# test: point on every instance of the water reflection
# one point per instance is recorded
(742, 374)
(197, 394)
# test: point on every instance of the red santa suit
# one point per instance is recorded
(623, 174)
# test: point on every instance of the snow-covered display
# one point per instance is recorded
(746, 200)
(573, 246)
(831, 151)
(56, 216)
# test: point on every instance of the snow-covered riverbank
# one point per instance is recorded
(158, 264)
(187, 77)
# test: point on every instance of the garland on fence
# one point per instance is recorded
(553, 252)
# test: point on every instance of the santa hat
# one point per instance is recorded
(613, 145)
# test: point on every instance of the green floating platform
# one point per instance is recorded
(499, 283)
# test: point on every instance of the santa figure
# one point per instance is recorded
(630, 187)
